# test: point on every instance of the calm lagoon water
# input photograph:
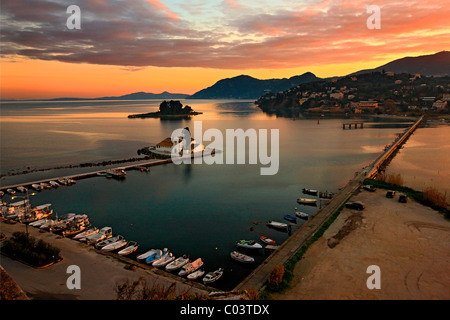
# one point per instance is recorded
(200, 210)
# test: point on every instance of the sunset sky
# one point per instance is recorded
(183, 46)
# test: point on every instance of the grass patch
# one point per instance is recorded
(36, 253)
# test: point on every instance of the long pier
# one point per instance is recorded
(88, 174)
(256, 280)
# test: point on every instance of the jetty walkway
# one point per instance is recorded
(80, 176)
(292, 245)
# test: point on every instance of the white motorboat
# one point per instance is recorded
(54, 184)
(39, 223)
(103, 234)
(195, 275)
(163, 260)
(307, 201)
(107, 241)
(241, 257)
(302, 215)
(248, 244)
(82, 236)
(277, 225)
(191, 267)
(213, 276)
(130, 248)
(120, 243)
(37, 187)
(178, 263)
(22, 189)
(147, 254)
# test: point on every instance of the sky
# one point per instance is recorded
(183, 46)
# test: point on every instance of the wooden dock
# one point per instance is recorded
(81, 176)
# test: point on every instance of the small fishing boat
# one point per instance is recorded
(301, 215)
(82, 236)
(290, 218)
(155, 256)
(46, 185)
(310, 191)
(277, 225)
(71, 181)
(169, 257)
(54, 184)
(63, 181)
(195, 275)
(177, 263)
(191, 267)
(22, 189)
(37, 187)
(99, 245)
(213, 276)
(39, 223)
(307, 201)
(146, 254)
(248, 244)
(267, 240)
(241, 257)
(130, 248)
(11, 191)
(103, 234)
(120, 243)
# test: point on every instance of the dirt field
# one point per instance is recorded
(409, 242)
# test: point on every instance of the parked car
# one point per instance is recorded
(403, 198)
(390, 194)
(370, 188)
(355, 205)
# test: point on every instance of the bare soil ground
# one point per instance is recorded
(409, 242)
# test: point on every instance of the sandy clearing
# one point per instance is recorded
(409, 242)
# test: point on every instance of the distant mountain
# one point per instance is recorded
(437, 64)
(246, 87)
(133, 96)
(147, 96)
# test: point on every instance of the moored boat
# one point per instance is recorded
(165, 259)
(101, 244)
(310, 191)
(11, 191)
(277, 225)
(267, 240)
(248, 244)
(191, 267)
(130, 248)
(302, 215)
(177, 263)
(54, 184)
(241, 257)
(22, 189)
(104, 233)
(290, 218)
(37, 187)
(213, 276)
(83, 235)
(146, 254)
(196, 274)
(307, 201)
(118, 244)
(155, 256)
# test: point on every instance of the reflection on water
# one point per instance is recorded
(201, 210)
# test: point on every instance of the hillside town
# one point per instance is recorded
(371, 93)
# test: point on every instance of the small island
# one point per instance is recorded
(169, 110)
